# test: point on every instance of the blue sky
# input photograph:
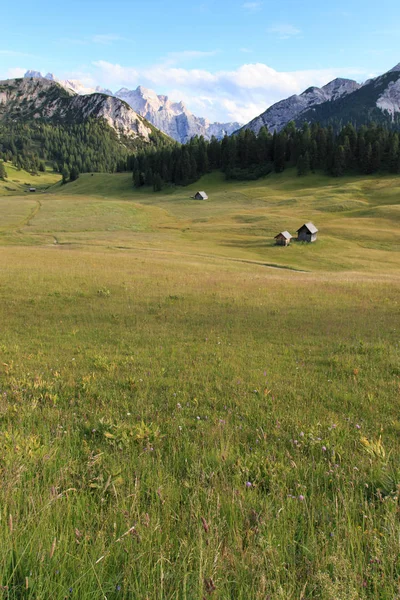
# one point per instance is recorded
(226, 59)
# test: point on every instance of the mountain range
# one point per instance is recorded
(31, 99)
(172, 118)
(340, 101)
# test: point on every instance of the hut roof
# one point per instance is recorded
(285, 234)
(310, 226)
(203, 195)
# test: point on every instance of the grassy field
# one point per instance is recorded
(179, 420)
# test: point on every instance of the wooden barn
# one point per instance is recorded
(307, 233)
(201, 196)
(283, 238)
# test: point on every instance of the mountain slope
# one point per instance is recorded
(377, 100)
(173, 118)
(279, 114)
(39, 98)
(339, 102)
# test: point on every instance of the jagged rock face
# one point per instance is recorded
(344, 99)
(280, 114)
(173, 118)
(69, 84)
(390, 99)
(339, 87)
(378, 99)
(35, 98)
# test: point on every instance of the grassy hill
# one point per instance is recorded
(356, 217)
(178, 421)
(18, 181)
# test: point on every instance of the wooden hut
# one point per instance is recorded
(307, 233)
(201, 196)
(283, 238)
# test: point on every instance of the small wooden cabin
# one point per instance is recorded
(283, 238)
(201, 196)
(32, 189)
(307, 233)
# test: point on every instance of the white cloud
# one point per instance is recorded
(252, 6)
(115, 74)
(237, 95)
(284, 30)
(16, 73)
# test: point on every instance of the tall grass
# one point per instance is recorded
(181, 428)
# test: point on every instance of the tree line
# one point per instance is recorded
(95, 147)
(247, 156)
(92, 146)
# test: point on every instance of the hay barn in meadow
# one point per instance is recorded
(201, 196)
(307, 233)
(283, 238)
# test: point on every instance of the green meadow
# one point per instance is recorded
(188, 411)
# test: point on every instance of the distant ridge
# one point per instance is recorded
(34, 98)
(341, 100)
(173, 118)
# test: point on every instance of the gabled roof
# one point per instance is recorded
(202, 194)
(310, 226)
(285, 234)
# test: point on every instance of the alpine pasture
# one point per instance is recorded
(188, 411)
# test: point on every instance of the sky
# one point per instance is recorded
(228, 60)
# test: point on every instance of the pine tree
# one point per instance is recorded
(137, 179)
(3, 172)
(157, 183)
(303, 164)
(279, 152)
(65, 174)
(339, 161)
(394, 156)
(74, 174)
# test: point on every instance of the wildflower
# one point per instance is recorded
(358, 426)
(198, 418)
(249, 484)
(323, 448)
(301, 433)
(179, 405)
(301, 498)
(180, 427)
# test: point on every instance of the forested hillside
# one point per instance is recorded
(249, 156)
(90, 146)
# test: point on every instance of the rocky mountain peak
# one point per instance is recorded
(39, 97)
(34, 74)
(395, 69)
(173, 118)
(340, 87)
